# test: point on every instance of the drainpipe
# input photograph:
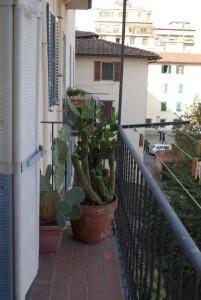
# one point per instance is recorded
(122, 62)
(45, 107)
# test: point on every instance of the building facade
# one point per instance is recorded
(139, 27)
(176, 37)
(97, 72)
(173, 83)
(36, 66)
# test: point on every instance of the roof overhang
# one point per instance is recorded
(78, 4)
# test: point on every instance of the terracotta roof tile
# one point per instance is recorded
(85, 34)
(98, 47)
(184, 58)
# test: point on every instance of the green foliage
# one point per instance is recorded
(75, 92)
(193, 113)
(95, 150)
(55, 203)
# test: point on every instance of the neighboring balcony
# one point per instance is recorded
(157, 258)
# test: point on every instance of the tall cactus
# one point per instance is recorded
(96, 149)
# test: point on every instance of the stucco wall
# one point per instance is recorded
(134, 89)
(191, 87)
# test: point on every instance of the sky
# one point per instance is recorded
(164, 11)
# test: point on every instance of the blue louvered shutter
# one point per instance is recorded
(53, 57)
(64, 66)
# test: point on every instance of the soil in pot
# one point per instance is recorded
(95, 222)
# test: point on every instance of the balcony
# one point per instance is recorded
(150, 249)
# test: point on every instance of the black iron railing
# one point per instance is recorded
(158, 258)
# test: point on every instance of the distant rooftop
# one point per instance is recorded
(184, 58)
(86, 34)
(89, 45)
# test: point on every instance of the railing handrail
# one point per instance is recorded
(188, 245)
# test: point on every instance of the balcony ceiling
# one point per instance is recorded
(78, 4)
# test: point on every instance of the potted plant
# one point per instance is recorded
(77, 96)
(56, 204)
(94, 163)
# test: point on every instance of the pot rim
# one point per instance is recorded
(115, 200)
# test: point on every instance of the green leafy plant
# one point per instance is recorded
(94, 158)
(75, 92)
(56, 204)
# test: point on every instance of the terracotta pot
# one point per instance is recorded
(50, 238)
(95, 222)
(78, 102)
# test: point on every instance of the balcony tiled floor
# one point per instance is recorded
(78, 272)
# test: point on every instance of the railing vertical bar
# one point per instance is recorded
(147, 245)
(197, 287)
(153, 248)
(169, 273)
(160, 258)
(137, 228)
(180, 279)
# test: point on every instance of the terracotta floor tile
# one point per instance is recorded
(78, 272)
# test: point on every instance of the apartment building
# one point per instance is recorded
(173, 82)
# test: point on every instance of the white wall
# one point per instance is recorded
(134, 88)
(66, 22)
(191, 87)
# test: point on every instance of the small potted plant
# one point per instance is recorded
(94, 163)
(77, 96)
(56, 204)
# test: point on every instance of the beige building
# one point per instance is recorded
(176, 37)
(97, 71)
(139, 27)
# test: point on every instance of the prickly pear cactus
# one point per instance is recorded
(48, 206)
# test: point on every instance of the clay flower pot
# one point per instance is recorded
(50, 238)
(95, 222)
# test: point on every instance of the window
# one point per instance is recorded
(179, 88)
(148, 121)
(163, 106)
(121, 14)
(166, 69)
(179, 69)
(118, 40)
(132, 40)
(148, 16)
(106, 71)
(139, 15)
(164, 88)
(106, 14)
(145, 42)
(53, 50)
(162, 121)
(178, 106)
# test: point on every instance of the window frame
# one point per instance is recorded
(166, 69)
(165, 88)
(112, 75)
(178, 106)
(163, 103)
(180, 88)
(98, 67)
(178, 68)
